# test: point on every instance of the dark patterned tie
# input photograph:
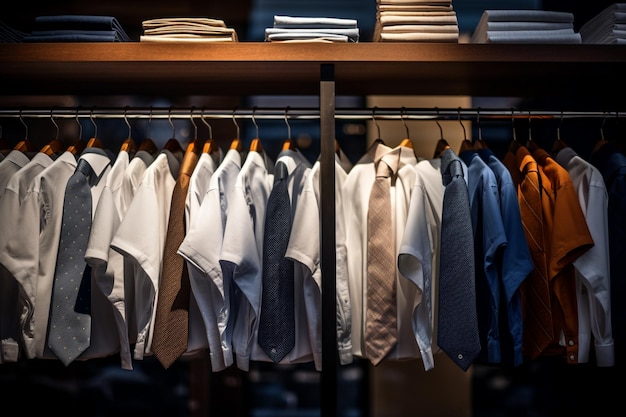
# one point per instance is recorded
(171, 322)
(277, 323)
(458, 324)
(70, 308)
(381, 321)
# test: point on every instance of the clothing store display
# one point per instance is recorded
(606, 27)
(525, 26)
(77, 28)
(457, 318)
(415, 21)
(187, 29)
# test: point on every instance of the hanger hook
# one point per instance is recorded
(287, 123)
(404, 122)
(80, 126)
(602, 125)
(207, 124)
(254, 121)
(25, 126)
(513, 124)
(480, 130)
(93, 122)
(376, 121)
(530, 136)
(127, 122)
(461, 123)
(149, 123)
(558, 128)
(195, 126)
(55, 124)
(236, 124)
(439, 124)
(169, 117)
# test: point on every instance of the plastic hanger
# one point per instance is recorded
(55, 146)
(466, 144)
(406, 142)
(256, 145)
(288, 144)
(441, 144)
(128, 145)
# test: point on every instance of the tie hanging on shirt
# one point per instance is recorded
(70, 310)
(382, 331)
(458, 324)
(171, 325)
(277, 323)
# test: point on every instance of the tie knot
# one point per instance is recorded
(280, 171)
(383, 170)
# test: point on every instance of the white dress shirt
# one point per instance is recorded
(141, 239)
(33, 251)
(304, 248)
(356, 191)
(14, 304)
(593, 286)
(201, 249)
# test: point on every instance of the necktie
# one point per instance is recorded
(277, 323)
(458, 324)
(171, 322)
(381, 329)
(535, 291)
(70, 312)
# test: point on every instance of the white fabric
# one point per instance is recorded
(140, 238)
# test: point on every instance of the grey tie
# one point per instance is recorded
(458, 324)
(70, 308)
(277, 322)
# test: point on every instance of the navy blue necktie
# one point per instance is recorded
(70, 309)
(277, 324)
(457, 331)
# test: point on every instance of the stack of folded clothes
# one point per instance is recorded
(312, 29)
(9, 34)
(77, 28)
(608, 26)
(525, 26)
(187, 29)
(415, 21)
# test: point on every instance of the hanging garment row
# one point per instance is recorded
(246, 286)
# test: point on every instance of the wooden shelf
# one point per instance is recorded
(258, 68)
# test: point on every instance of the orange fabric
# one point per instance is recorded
(569, 238)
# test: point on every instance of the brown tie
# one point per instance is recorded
(535, 290)
(381, 332)
(171, 326)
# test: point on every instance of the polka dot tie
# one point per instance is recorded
(70, 309)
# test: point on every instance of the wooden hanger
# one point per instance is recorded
(129, 144)
(514, 145)
(54, 147)
(599, 144)
(236, 144)
(173, 145)
(466, 144)
(406, 142)
(531, 145)
(441, 144)
(209, 146)
(148, 145)
(288, 144)
(256, 145)
(77, 147)
(479, 143)
(25, 145)
(95, 143)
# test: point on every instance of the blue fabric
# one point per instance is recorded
(489, 240)
(516, 262)
(611, 162)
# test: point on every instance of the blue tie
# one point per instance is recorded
(457, 331)
(70, 309)
(277, 323)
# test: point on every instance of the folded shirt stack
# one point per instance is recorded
(608, 26)
(9, 34)
(187, 29)
(77, 28)
(525, 26)
(415, 21)
(312, 29)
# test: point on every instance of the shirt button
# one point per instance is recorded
(571, 357)
(571, 342)
(460, 356)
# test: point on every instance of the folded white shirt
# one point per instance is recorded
(313, 22)
(186, 38)
(168, 21)
(351, 33)
(420, 28)
(306, 35)
(419, 37)
(414, 8)
(408, 20)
